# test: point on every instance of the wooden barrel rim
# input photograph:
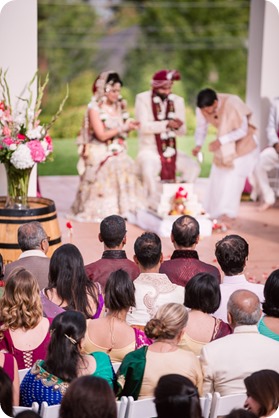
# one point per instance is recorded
(48, 206)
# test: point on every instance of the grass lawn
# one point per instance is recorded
(65, 156)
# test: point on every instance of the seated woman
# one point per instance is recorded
(140, 370)
(69, 286)
(269, 323)
(108, 181)
(24, 332)
(6, 394)
(262, 389)
(176, 396)
(9, 365)
(49, 379)
(112, 334)
(88, 397)
(202, 297)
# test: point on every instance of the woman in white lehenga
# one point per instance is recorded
(108, 181)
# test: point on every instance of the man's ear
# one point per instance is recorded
(124, 241)
(230, 319)
(198, 239)
(135, 259)
(161, 258)
(100, 238)
(171, 237)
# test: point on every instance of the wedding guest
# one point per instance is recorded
(24, 332)
(113, 235)
(49, 379)
(262, 392)
(88, 397)
(111, 334)
(185, 261)
(202, 298)
(108, 181)
(6, 394)
(69, 287)
(9, 365)
(176, 396)
(34, 244)
(140, 370)
(269, 323)
(153, 289)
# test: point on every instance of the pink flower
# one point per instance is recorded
(21, 136)
(37, 151)
(8, 141)
(6, 131)
(49, 142)
(2, 106)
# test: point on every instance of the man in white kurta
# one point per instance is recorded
(235, 149)
(269, 160)
(162, 113)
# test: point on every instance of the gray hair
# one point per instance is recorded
(30, 236)
(244, 307)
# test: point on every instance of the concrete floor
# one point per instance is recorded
(261, 230)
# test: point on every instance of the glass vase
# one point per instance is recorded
(17, 190)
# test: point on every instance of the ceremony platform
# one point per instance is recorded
(260, 229)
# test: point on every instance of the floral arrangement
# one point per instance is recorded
(24, 141)
(178, 202)
(167, 137)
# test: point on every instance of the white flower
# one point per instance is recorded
(169, 152)
(171, 115)
(114, 147)
(164, 136)
(19, 119)
(21, 158)
(13, 147)
(125, 115)
(160, 116)
(171, 134)
(171, 97)
(156, 99)
(35, 133)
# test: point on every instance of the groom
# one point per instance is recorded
(162, 118)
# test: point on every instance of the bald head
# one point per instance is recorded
(30, 236)
(185, 231)
(244, 308)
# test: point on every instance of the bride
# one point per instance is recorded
(108, 182)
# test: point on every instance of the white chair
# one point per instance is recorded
(22, 373)
(18, 409)
(122, 407)
(206, 402)
(222, 405)
(49, 411)
(116, 365)
(143, 408)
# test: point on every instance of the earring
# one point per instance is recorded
(131, 310)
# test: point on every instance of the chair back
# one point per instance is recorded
(222, 405)
(18, 409)
(141, 408)
(122, 407)
(22, 373)
(49, 411)
(206, 402)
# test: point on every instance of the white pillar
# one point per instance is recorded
(263, 63)
(18, 55)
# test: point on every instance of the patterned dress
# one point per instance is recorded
(108, 182)
(39, 385)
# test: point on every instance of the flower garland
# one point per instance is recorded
(166, 141)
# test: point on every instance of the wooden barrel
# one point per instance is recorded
(41, 210)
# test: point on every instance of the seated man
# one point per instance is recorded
(113, 235)
(232, 253)
(33, 242)
(229, 360)
(185, 262)
(153, 289)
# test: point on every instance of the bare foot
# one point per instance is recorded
(264, 207)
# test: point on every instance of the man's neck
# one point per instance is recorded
(181, 248)
(154, 269)
(118, 248)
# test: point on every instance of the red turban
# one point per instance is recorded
(164, 78)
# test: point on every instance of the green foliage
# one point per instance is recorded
(66, 35)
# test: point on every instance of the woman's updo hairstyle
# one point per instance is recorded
(168, 322)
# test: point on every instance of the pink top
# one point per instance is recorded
(25, 359)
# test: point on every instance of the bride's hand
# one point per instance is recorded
(131, 125)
